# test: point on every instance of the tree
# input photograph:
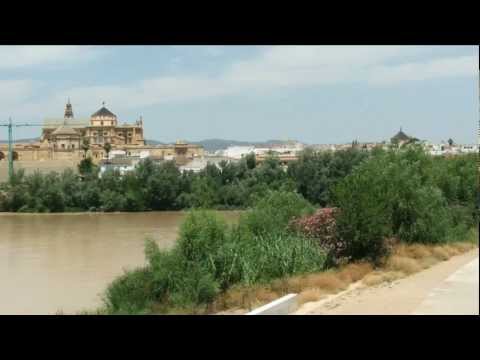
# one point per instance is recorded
(85, 146)
(315, 173)
(450, 142)
(251, 161)
(107, 147)
(86, 166)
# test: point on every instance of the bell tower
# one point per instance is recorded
(68, 110)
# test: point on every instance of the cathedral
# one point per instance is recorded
(65, 139)
(102, 127)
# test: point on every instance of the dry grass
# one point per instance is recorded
(373, 279)
(265, 295)
(379, 277)
(440, 253)
(415, 251)
(403, 264)
(294, 284)
(405, 260)
(328, 281)
(354, 272)
(309, 287)
(310, 295)
(409, 259)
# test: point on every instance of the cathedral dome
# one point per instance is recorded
(104, 112)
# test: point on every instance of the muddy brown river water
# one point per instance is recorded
(63, 262)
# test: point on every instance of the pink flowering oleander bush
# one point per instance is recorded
(322, 227)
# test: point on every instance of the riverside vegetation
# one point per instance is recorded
(370, 204)
(163, 187)
(390, 205)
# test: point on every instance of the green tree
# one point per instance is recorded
(316, 173)
(86, 167)
(251, 161)
(162, 188)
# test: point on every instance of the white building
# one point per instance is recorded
(468, 149)
(198, 164)
(122, 165)
(237, 152)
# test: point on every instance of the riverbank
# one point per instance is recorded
(213, 269)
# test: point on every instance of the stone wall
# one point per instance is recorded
(24, 152)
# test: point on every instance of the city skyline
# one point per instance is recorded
(313, 94)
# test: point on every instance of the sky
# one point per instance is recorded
(314, 94)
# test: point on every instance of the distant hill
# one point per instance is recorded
(20, 140)
(220, 144)
(208, 144)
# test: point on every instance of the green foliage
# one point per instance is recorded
(151, 186)
(111, 201)
(107, 147)
(407, 194)
(209, 257)
(250, 161)
(162, 187)
(131, 293)
(316, 173)
(273, 211)
(264, 258)
(363, 221)
(86, 167)
(85, 146)
(201, 234)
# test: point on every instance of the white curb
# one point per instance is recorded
(283, 306)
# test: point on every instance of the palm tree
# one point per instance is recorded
(107, 147)
(85, 146)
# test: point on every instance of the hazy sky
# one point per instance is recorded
(315, 94)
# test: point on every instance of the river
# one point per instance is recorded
(53, 263)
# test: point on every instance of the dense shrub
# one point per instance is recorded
(322, 227)
(267, 257)
(201, 234)
(274, 211)
(209, 257)
(403, 193)
(316, 173)
(364, 219)
(130, 293)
